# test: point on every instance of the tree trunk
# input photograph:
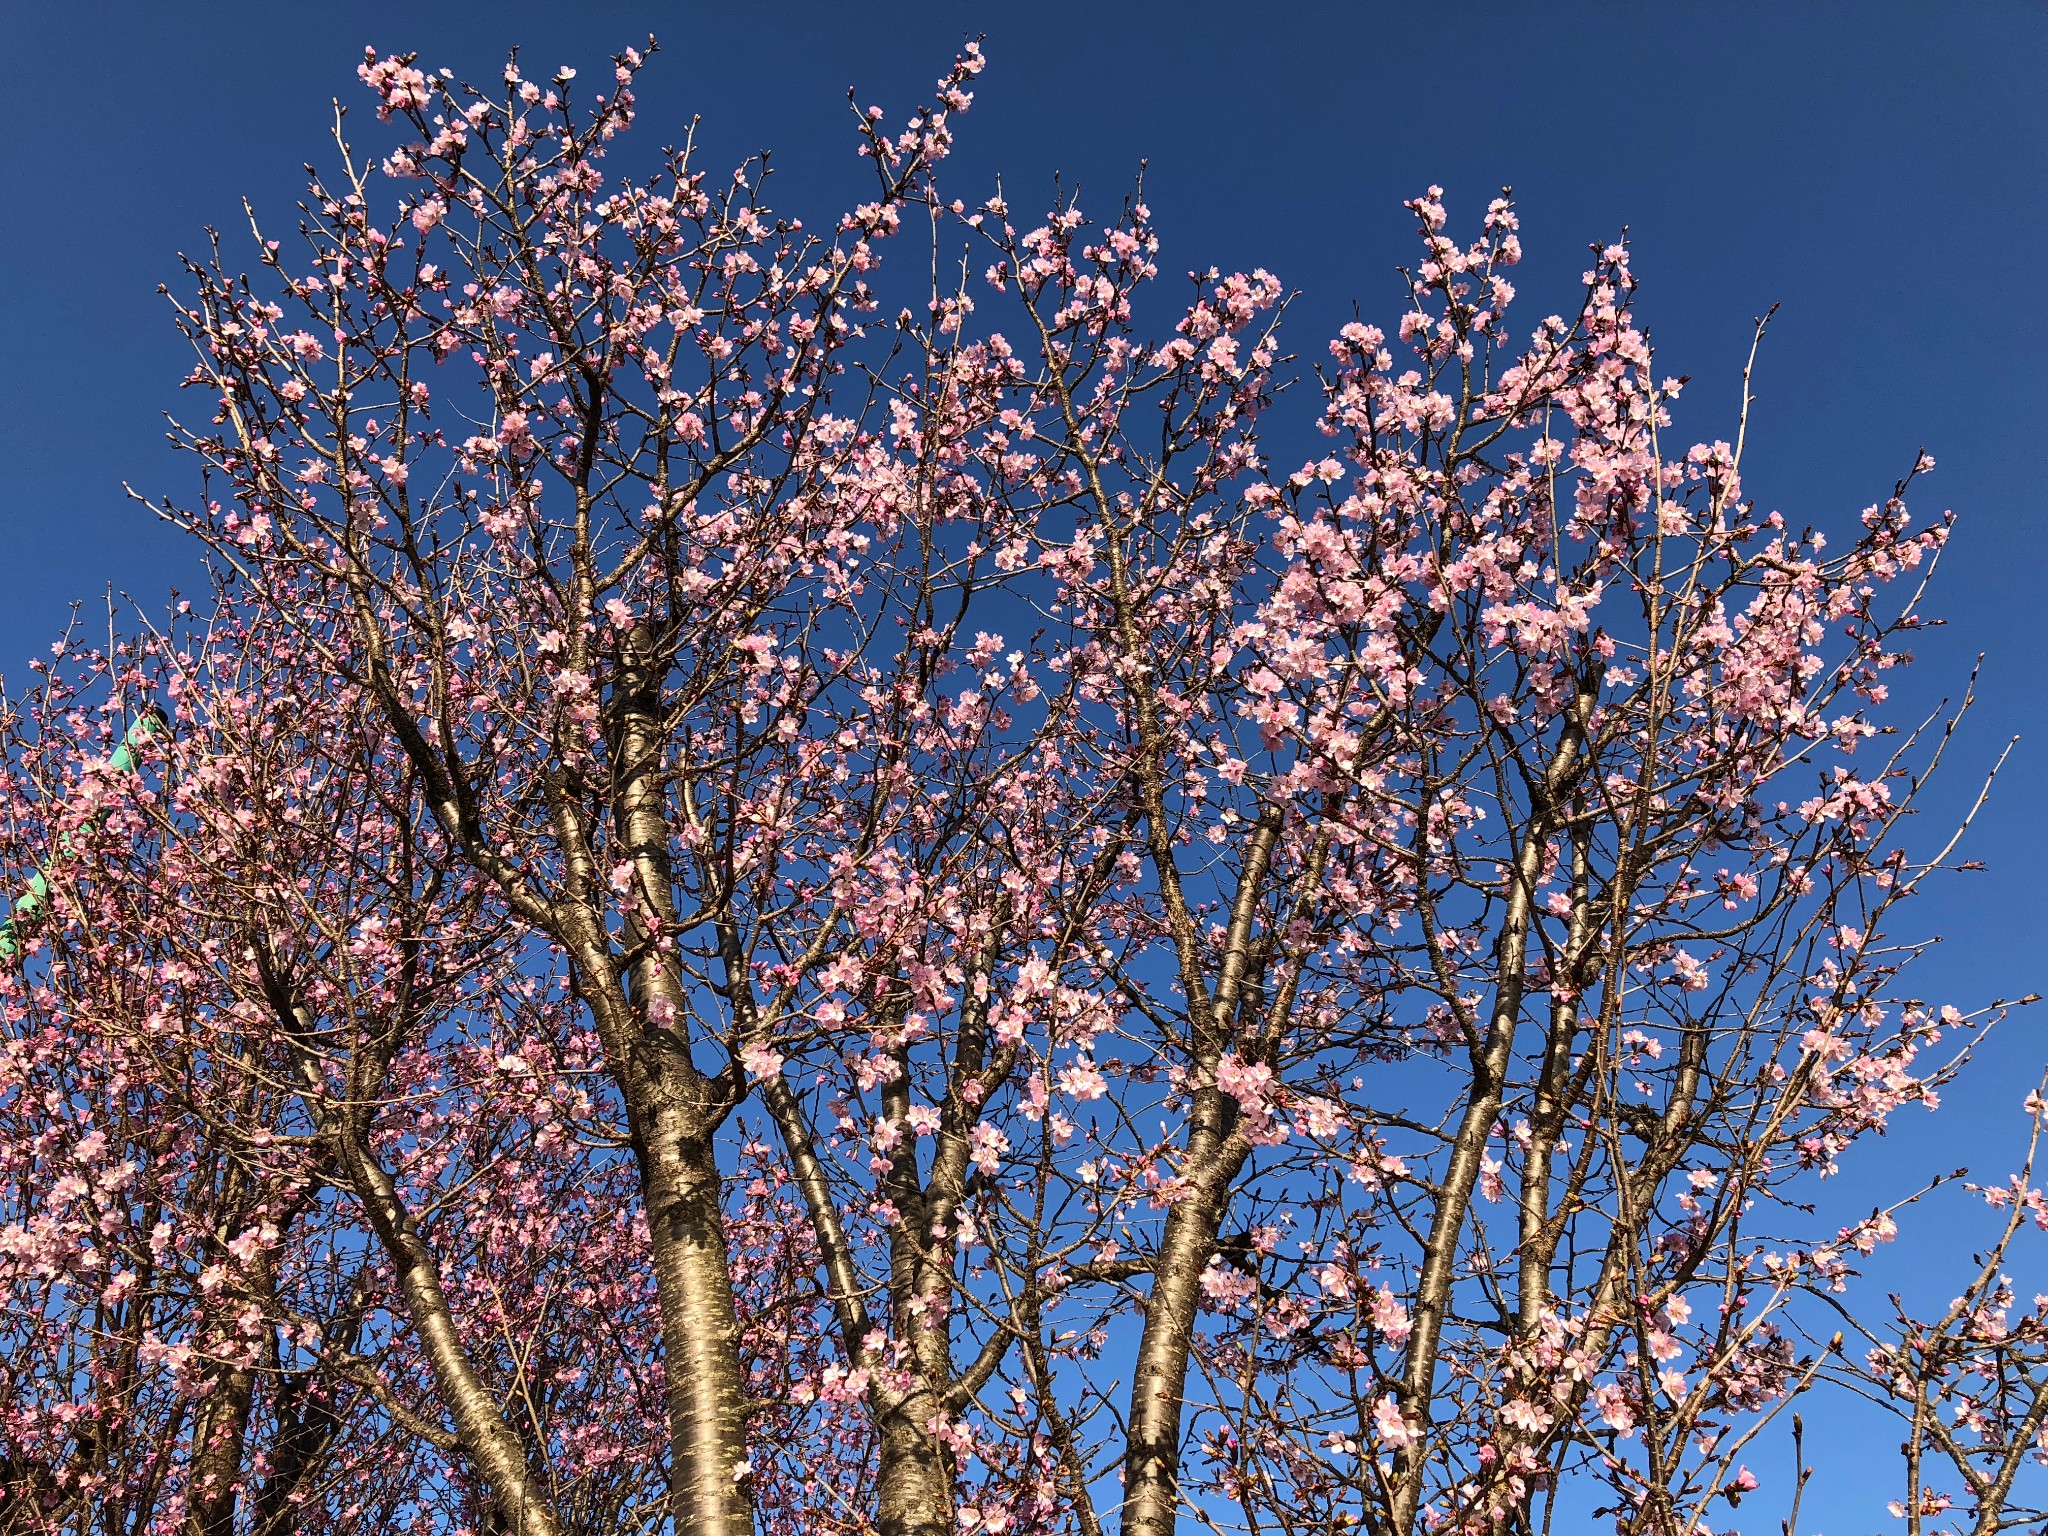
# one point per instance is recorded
(1159, 1383)
(220, 1433)
(915, 1497)
(672, 1107)
(706, 1392)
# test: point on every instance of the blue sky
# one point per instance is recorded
(1878, 168)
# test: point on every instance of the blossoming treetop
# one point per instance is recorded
(819, 905)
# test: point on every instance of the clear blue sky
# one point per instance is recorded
(1880, 168)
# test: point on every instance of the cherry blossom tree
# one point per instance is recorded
(167, 1264)
(322, 1087)
(794, 896)
(1971, 1383)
